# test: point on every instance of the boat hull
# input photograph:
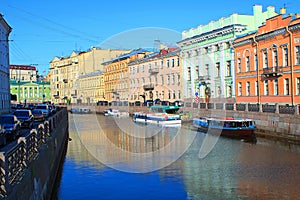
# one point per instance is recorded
(158, 122)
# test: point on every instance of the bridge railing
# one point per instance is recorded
(15, 160)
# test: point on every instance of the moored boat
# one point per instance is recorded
(80, 110)
(230, 127)
(115, 113)
(160, 115)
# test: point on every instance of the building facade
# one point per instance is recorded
(30, 92)
(268, 63)
(5, 30)
(91, 87)
(208, 57)
(116, 75)
(64, 71)
(157, 76)
(23, 73)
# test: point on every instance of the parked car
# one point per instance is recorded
(52, 108)
(44, 108)
(11, 125)
(2, 136)
(38, 115)
(26, 118)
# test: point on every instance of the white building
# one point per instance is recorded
(5, 30)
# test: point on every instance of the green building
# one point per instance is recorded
(208, 57)
(29, 91)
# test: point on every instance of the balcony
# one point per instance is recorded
(148, 87)
(272, 72)
(154, 70)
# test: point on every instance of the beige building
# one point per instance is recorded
(65, 71)
(23, 72)
(156, 77)
(91, 87)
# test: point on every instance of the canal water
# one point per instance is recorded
(115, 159)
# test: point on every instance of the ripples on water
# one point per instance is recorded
(232, 170)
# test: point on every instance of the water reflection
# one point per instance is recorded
(232, 170)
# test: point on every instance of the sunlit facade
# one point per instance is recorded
(116, 76)
(5, 30)
(158, 76)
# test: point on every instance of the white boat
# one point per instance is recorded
(115, 113)
(160, 115)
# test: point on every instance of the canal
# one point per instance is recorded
(115, 159)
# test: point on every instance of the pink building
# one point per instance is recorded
(157, 76)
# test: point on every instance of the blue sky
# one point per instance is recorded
(45, 29)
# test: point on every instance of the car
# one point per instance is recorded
(2, 136)
(11, 125)
(26, 118)
(44, 108)
(52, 108)
(38, 115)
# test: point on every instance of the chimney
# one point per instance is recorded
(283, 11)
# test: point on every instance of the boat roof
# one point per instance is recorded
(166, 107)
(227, 119)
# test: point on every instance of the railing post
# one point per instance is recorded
(4, 187)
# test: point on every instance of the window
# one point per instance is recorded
(286, 87)
(149, 66)
(205, 50)
(276, 87)
(265, 59)
(266, 88)
(239, 69)
(169, 94)
(228, 68)
(168, 80)
(240, 89)
(143, 68)
(256, 88)
(248, 88)
(285, 56)
(189, 74)
(174, 94)
(178, 62)
(179, 94)
(218, 69)
(162, 79)
(161, 64)
(168, 63)
(197, 71)
(255, 62)
(207, 69)
(217, 47)
(229, 91)
(173, 79)
(178, 79)
(247, 64)
(173, 62)
(298, 86)
(297, 55)
(275, 58)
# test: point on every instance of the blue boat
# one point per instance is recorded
(230, 127)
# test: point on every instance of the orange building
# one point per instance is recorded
(267, 62)
(116, 77)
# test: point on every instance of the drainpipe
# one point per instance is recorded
(291, 62)
(258, 85)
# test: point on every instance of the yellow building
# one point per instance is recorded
(91, 87)
(116, 77)
(158, 76)
(65, 72)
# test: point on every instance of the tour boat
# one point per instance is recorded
(230, 127)
(160, 115)
(115, 113)
(80, 110)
